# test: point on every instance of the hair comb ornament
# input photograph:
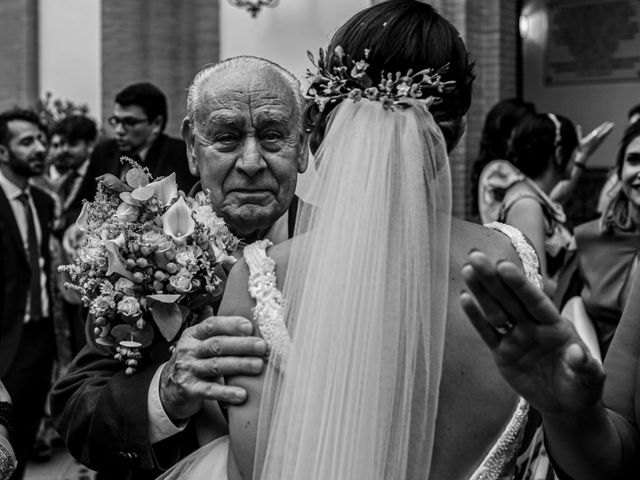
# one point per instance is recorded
(349, 79)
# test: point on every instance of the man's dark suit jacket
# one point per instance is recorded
(15, 275)
(101, 414)
(165, 156)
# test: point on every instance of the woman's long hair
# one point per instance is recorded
(616, 214)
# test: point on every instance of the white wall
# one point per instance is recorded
(70, 58)
(587, 105)
(283, 35)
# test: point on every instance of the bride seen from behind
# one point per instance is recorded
(375, 372)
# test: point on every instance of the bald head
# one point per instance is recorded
(242, 74)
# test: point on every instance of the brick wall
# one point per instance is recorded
(161, 41)
(489, 30)
(18, 53)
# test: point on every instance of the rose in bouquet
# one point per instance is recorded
(151, 258)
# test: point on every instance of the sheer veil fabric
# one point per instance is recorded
(367, 290)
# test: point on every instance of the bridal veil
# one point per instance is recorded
(367, 291)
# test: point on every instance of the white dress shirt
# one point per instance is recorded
(12, 192)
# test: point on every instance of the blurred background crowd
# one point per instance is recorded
(552, 143)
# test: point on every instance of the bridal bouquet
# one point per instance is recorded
(150, 260)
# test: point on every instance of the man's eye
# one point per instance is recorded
(226, 138)
(271, 136)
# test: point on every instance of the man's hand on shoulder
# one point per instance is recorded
(206, 352)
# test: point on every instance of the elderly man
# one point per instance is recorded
(244, 140)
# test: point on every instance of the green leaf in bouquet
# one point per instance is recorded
(167, 316)
(105, 342)
(113, 183)
(142, 194)
(136, 177)
(131, 333)
(127, 197)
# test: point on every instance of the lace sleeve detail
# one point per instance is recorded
(269, 310)
(526, 252)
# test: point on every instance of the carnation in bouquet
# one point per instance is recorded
(150, 260)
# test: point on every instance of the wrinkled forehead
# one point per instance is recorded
(248, 96)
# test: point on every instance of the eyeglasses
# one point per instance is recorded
(126, 122)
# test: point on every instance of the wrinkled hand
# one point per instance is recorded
(215, 347)
(538, 352)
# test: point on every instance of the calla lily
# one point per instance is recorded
(82, 222)
(166, 189)
(177, 222)
(114, 259)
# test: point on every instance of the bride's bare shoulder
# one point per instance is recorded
(466, 236)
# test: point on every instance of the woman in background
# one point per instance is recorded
(607, 248)
(494, 141)
(542, 148)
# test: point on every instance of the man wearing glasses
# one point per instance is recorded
(138, 122)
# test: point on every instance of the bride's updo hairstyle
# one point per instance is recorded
(401, 35)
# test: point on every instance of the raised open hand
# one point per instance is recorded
(590, 142)
(537, 350)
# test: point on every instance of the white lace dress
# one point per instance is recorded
(210, 461)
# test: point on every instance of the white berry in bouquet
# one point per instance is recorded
(150, 260)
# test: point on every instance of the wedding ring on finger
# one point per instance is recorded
(505, 328)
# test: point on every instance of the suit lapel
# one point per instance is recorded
(10, 221)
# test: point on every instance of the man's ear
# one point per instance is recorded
(190, 141)
(303, 155)
(156, 124)
(4, 154)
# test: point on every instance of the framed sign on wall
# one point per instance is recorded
(592, 41)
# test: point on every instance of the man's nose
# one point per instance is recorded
(41, 146)
(119, 129)
(251, 161)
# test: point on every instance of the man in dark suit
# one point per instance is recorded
(245, 141)
(73, 139)
(138, 121)
(27, 344)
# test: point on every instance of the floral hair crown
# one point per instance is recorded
(349, 79)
